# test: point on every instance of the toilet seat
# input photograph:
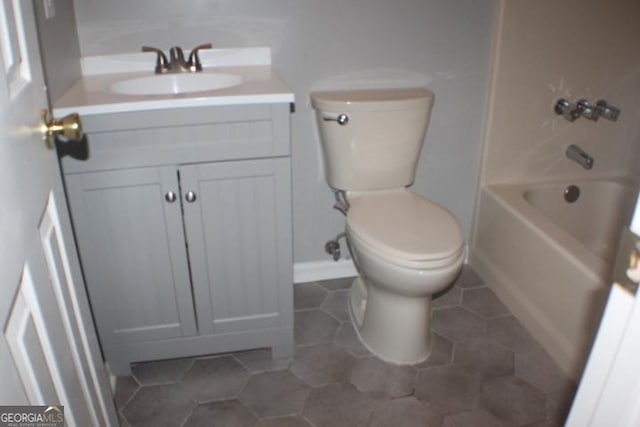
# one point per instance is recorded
(404, 229)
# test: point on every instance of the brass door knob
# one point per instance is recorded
(69, 128)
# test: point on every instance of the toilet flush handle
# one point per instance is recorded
(342, 119)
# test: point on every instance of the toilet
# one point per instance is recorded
(405, 247)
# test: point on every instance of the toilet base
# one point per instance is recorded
(392, 327)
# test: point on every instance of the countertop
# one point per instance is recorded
(89, 95)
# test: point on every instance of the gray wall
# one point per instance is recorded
(59, 47)
(444, 45)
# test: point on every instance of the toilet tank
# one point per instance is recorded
(379, 146)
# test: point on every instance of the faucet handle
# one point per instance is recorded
(567, 110)
(161, 61)
(609, 112)
(194, 59)
(587, 110)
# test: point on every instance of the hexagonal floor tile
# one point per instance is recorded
(508, 332)
(457, 324)
(448, 389)
(314, 327)
(484, 302)
(559, 404)
(161, 371)
(441, 352)
(125, 388)
(475, 418)
(257, 361)
(378, 379)
(468, 278)
(123, 421)
(159, 405)
(228, 413)
(336, 305)
(404, 412)
(485, 357)
(347, 338)
(540, 370)
(284, 422)
(217, 378)
(337, 284)
(308, 295)
(274, 394)
(513, 400)
(322, 364)
(339, 405)
(449, 298)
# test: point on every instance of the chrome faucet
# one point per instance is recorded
(584, 108)
(176, 62)
(579, 156)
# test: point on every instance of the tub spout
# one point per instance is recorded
(579, 156)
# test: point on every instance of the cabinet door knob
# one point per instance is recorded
(170, 196)
(190, 196)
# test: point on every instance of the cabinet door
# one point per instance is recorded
(132, 248)
(239, 238)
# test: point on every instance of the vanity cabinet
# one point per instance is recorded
(183, 223)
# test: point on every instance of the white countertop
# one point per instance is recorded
(89, 95)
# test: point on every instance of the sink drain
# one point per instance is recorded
(571, 193)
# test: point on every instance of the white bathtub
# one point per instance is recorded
(550, 261)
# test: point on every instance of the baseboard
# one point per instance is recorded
(323, 270)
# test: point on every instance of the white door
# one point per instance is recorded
(49, 352)
(609, 392)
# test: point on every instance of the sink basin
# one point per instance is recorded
(173, 84)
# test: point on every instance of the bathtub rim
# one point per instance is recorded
(512, 198)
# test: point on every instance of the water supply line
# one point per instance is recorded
(332, 247)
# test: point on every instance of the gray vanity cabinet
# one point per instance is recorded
(235, 229)
(133, 253)
(184, 231)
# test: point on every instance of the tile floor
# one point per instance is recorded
(485, 371)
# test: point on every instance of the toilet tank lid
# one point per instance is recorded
(373, 100)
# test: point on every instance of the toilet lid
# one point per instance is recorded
(404, 226)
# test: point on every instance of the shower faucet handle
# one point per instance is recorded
(567, 110)
(587, 110)
(606, 111)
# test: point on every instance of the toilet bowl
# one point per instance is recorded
(405, 247)
(406, 250)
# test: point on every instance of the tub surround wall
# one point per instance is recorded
(546, 50)
(549, 49)
(445, 46)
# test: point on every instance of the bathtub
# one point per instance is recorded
(550, 261)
